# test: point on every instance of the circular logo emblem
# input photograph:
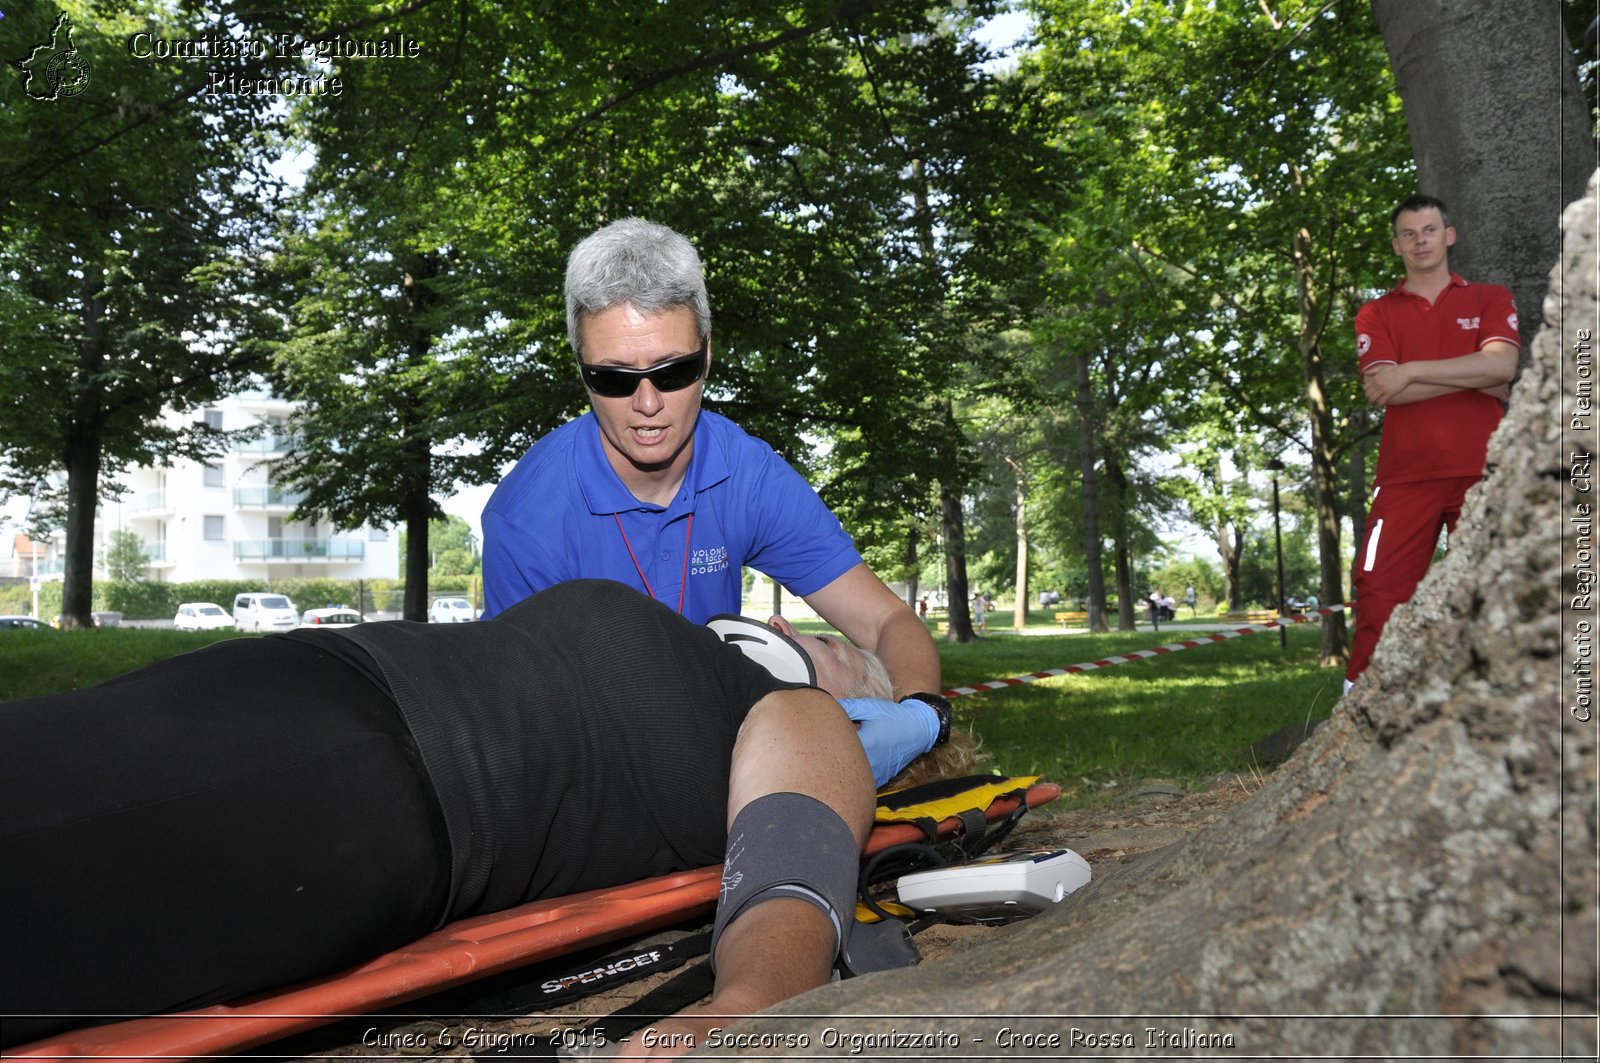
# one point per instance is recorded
(68, 73)
(1363, 344)
(1512, 321)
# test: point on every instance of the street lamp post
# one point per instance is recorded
(1277, 530)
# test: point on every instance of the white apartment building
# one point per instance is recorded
(228, 520)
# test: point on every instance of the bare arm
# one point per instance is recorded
(868, 613)
(1489, 370)
(796, 741)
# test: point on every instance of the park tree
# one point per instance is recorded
(1212, 482)
(1455, 66)
(1004, 437)
(126, 559)
(1252, 184)
(125, 225)
(1104, 337)
(409, 353)
(969, 169)
(455, 548)
(1419, 880)
(442, 202)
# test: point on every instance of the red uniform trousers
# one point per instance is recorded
(1402, 531)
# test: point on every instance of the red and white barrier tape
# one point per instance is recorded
(1159, 651)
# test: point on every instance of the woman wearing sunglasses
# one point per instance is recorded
(653, 491)
(268, 810)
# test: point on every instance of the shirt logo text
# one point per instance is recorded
(704, 562)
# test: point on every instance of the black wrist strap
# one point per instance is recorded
(941, 708)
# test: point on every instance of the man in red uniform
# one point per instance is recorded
(1437, 354)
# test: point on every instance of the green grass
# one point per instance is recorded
(33, 663)
(1184, 717)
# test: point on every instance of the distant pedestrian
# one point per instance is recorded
(980, 608)
(1189, 598)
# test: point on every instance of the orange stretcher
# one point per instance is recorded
(464, 951)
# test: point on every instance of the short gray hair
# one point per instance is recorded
(638, 263)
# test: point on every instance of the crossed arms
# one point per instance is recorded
(1489, 370)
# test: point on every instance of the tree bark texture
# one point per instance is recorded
(1314, 302)
(84, 442)
(913, 563)
(1019, 616)
(1485, 82)
(1418, 881)
(418, 508)
(958, 612)
(1121, 552)
(1095, 606)
(1230, 543)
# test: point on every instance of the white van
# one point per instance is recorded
(262, 611)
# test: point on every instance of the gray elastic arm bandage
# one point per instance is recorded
(789, 845)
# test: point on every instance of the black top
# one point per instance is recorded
(580, 739)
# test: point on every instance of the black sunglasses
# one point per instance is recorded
(615, 382)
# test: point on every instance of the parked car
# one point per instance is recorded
(22, 623)
(451, 611)
(202, 616)
(263, 611)
(336, 616)
(101, 619)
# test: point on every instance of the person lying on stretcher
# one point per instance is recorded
(266, 811)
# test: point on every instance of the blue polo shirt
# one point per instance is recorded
(563, 513)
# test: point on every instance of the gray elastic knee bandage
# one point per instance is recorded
(789, 845)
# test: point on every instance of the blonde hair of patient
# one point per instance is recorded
(957, 757)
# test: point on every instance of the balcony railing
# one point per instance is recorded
(154, 550)
(266, 497)
(144, 501)
(299, 550)
(271, 443)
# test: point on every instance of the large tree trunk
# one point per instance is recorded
(1314, 303)
(1019, 617)
(83, 456)
(417, 512)
(1230, 546)
(1459, 66)
(913, 565)
(417, 507)
(1121, 554)
(83, 495)
(1096, 603)
(958, 613)
(1419, 880)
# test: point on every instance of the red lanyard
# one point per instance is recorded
(682, 586)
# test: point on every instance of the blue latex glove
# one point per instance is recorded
(894, 733)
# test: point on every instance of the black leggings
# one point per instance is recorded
(236, 819)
